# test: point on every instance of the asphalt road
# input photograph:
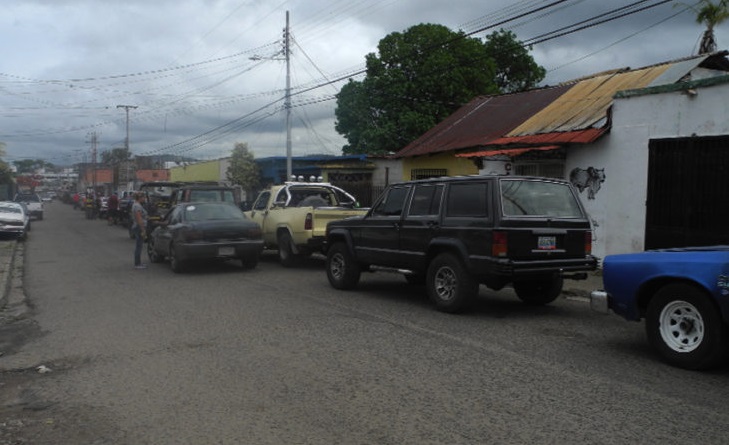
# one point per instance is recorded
(222, 355)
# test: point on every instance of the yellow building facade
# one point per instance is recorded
(441, 164)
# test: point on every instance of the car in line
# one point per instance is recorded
(14, 219)
(681, 293)
(194, 231)
(33, 202)
(454, 233)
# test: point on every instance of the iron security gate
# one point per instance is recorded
(688, 192)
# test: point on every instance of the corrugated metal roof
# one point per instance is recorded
(482, 120)
(507, 151)
(586, 103)
(562, 137)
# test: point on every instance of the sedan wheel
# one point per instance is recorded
(152, 254)
(176, 264)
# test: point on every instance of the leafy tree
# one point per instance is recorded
(31, 165)
(516, 69)
(115, 156)
(420, 77)
(6, 175)
(243, 170)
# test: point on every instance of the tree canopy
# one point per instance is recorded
(421, 76)
(243, 169)
(31, 165)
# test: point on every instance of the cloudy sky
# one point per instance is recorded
(204, 74)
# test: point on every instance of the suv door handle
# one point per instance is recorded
(433, 225)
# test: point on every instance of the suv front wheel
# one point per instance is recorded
(449, 285)
(342, 270)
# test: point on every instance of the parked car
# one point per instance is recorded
(683, 295)
(453, 234)
(14, 219)
(33, 202)
(204, 231)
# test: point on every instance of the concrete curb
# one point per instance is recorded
(7, 266)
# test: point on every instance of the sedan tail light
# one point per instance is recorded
(193, 235)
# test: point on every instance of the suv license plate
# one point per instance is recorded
(547, 243)
(226, 251)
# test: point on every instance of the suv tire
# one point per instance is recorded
(449, 285)
(539, 291)
(343, 271)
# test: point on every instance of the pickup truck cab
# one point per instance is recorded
(294, 216)
(683, 295)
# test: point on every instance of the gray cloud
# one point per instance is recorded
(186, 65)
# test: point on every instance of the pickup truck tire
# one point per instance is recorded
(286, 255)
(449, 285)
(539, 291)
(177, 265)
(686, 329)
(343, 271)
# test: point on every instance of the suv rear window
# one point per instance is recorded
(538, 198)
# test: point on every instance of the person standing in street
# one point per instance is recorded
(139, 228)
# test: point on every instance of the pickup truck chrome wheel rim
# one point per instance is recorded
(336, 266)
(681, 326)
(446, 283)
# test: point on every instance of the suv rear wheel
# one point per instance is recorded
(449, 285)
(342, 270)
(539, 291)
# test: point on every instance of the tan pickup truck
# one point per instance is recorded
(294, 216)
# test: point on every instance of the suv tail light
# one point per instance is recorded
(588, 243)
(499, 244)
(309, 222)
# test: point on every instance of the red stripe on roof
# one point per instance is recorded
(564, 137)
(507, 151)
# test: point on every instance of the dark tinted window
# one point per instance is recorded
(426, 200)
(469, 200)
(393, 203)
(262, 201)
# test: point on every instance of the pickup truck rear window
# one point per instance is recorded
(539, 198)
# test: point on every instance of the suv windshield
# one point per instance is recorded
(538, 198)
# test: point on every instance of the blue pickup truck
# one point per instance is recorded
(683, 295)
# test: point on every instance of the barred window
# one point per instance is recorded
(425, 173)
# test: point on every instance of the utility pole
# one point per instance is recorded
(287, 97)
(126, 143)
(94, 141)
(287, 102)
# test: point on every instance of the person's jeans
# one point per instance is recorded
(138, 246)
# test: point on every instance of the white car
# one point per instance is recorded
(33, 202)
(14, 219)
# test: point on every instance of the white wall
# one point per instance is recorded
(618, 210)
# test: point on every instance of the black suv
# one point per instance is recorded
(456, 233)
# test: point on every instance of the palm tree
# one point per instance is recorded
(711, 14)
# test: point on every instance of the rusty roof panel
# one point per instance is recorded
(482, 120)
(564, 137)
(586, 103)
